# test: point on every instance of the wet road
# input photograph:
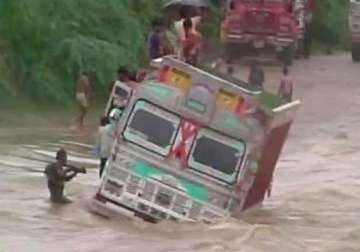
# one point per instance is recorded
(314, 205)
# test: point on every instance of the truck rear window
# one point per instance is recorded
(217, 155)
(151, 127)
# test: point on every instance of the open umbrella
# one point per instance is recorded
(193, 3)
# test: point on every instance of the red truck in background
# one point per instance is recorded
(260, 27)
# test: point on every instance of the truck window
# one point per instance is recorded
(151, 127)
(216, 155)
(121, 92)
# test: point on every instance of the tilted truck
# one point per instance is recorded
(193, 146)
(267, 27)
(354, 23)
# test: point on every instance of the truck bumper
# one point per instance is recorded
(110, 208)
(129, 206)
(258, 42)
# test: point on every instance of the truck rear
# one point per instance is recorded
(260, 27)
(194, 147)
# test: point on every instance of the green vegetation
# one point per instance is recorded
(45, 44)
(270, 100)
(330, 23)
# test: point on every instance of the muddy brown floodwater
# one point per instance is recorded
(314, 205)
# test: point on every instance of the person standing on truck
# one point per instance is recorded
(286, 86)
(191, 44)
(256, 75)
(83, 94)
(57, 175)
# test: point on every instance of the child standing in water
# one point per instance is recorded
(286, 86)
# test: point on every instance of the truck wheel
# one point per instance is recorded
(355, 52)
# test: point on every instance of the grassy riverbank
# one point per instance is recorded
(22, 113)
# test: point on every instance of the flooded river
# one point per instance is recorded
(315, 200)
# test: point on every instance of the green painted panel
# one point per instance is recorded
(233, 122)
(194, 191)
(196, 106)
(159, 90)
(253, 167)
(144, 170)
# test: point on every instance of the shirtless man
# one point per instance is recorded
(83, 93)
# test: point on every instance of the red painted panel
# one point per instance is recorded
(271, 152)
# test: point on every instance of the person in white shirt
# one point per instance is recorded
(184, 13)
(106, 136)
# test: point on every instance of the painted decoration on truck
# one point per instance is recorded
(180, 79)
(199, 98)
(228, 100)
(183, 141)
(161, 91)
(164, 74)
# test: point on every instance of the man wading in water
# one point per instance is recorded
(83, 93)
(256, 75)
(57, 175)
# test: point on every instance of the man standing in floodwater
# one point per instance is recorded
(57, 175)
(83, 94)
(256, 75)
